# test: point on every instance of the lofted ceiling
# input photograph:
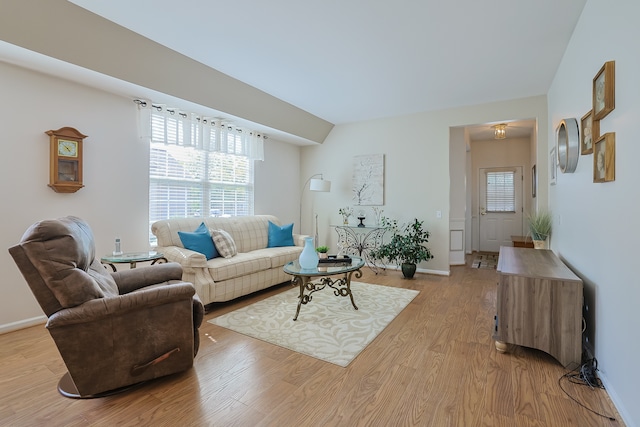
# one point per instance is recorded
(353, 60)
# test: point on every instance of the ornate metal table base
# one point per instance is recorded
(355, 242)
(341, 287)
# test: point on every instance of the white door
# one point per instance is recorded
(500, 205)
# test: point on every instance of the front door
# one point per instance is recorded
(500, 205)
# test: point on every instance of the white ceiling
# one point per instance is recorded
(353, 60)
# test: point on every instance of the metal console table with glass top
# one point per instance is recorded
(341, 286)
(356, 240)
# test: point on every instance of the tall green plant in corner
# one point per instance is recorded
(406, 247)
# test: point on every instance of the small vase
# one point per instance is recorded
(308, 257)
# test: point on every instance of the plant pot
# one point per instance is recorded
(408, 270)
(541, 244)
(322, 255)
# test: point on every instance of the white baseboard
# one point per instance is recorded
(423, 270)
(622, 410)
(21, 324)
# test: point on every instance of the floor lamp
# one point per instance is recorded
(314, 184)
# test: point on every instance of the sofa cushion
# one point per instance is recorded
(242, 264)
(224, 243)
(280, 256)
(280, 235)
(200, 241)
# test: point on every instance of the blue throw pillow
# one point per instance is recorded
(280, 236)
(199, 241)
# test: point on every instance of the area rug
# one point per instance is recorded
(328, 327)
(485, 261)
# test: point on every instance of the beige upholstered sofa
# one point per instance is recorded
(254, 267)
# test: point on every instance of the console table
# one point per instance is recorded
(539, 304)
(360, 241)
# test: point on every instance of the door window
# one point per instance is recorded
(501, 193)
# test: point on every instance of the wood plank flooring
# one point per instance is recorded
(434, 365)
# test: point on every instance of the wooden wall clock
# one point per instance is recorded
(65, 167)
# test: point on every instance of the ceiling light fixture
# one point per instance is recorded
(500, 131)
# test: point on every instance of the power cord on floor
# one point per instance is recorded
(586, 375)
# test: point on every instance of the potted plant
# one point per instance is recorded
(540, 228)
(406, 247)
(322, 251)
(346, 213)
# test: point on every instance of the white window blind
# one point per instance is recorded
(187, 179)
(501, 193)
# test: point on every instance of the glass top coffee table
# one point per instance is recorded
(326, 275)
(132, 258)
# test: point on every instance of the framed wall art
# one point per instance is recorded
(368, 180)
(604, 158)
(553, 166)
(604, 84)
(534, 181)
(589, 132)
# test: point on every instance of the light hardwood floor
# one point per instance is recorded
(434, 365)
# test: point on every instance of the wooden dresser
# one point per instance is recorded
(539, 304)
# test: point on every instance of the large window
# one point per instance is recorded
(191, 176)
(501, 192)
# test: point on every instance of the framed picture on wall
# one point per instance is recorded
(534, 181)
(589, 132)
(604, 158)
(604, 90)
(553, 166)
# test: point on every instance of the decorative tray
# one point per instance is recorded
(334, 260)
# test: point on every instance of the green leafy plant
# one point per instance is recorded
(322, 249)
(407, 244)
(540, 225)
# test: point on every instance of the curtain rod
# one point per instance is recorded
(184, 115)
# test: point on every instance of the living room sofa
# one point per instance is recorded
(253, 267)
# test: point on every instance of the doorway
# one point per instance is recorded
(500, 206)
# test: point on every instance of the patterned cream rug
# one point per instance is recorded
(328, 327)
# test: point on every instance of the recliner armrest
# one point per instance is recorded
(103, 308)
(136, 278)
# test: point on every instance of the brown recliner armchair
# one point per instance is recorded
(113, 330)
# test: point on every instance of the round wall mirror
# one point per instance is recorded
(568, 142)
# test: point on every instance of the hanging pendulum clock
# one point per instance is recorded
(65, 168)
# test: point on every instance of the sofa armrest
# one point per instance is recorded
(298, 239)
(184, 257)
(136, 278)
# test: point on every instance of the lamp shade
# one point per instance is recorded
(319, 185)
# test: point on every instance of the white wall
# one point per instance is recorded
(595, 228)
(115, 198)
(457, 205)
(417, 167)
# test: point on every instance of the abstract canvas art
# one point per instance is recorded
(368, 180)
